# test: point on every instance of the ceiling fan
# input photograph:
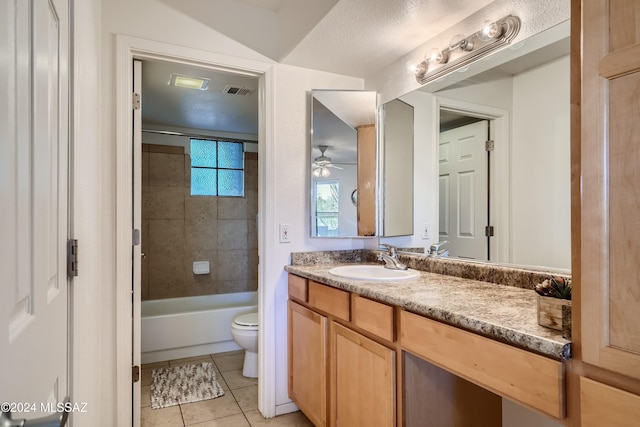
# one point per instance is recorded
(322, 163)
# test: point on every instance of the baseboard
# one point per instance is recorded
(193, 351)
(286, 408)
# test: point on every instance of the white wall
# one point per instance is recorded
(92, 375)
(289, 194)
(540, 191)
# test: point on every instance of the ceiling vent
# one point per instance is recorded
(235, 90)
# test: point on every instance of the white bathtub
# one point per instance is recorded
(174, 328)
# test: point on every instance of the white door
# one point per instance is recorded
(34, 307)
(463, 190)
(137, 225)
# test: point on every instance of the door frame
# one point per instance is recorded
(129, 48)
(499, 168)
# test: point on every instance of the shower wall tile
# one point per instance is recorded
(179, 229)
(201, 207)
(162, 202)
(233, 265)
(201, 234)
(252, 234)
(165, 269)
(232, 234)
(252, 203)
(166, 236)
(201, 279)
(232, 207)
(251, 171)
(166, 170)
(145, 168)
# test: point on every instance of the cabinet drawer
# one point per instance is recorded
(603, 405)
(298, 288)
(373, 317)
(528, 378)
(330, 300)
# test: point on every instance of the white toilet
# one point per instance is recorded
(244, 331)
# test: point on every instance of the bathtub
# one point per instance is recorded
(174, 328)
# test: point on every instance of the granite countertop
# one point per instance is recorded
(504, 313)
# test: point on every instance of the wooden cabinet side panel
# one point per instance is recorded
(363, 378)
(307, 348)
(298, 287)
(610, 153)
(602, 405)
(533, 380)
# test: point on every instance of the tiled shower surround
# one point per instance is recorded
(178, 229)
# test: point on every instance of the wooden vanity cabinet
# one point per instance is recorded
(338, 376)
(308, 362)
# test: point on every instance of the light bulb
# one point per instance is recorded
(489, 31)
(325, 172)
(437, 56)
(421, 68)
(316, 172)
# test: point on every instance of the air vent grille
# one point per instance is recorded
(236, 90)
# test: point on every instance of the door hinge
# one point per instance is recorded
(72, 257)
(135, 101)
(136, 237)
(135, 374)
(488, 231)
(489, 145)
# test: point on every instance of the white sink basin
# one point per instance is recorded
(372, 272)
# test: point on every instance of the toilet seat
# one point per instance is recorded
(247, 321)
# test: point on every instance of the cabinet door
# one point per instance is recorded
(363, 380)
(610, 214)
(307, 362)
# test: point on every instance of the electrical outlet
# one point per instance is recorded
(425, 232)
(284, 233)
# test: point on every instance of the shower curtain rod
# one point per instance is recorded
(193, 135)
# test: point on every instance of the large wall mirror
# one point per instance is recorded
(343, 163)
(510, 204)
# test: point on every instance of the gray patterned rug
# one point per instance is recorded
(183, 384)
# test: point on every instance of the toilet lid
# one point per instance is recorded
(250, 319)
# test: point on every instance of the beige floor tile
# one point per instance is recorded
(164, 364)
(191, 360)
(295, 419)
(232, 362)
(235, 379)
(169, 417)
(145, 396)
(145, 376)
(211, 409)
(232, 421)
(247, 398)
(226, 353)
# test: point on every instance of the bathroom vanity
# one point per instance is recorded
(431, 350)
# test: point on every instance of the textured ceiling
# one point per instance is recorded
(209, 109)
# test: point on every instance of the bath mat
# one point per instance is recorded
(183, 384)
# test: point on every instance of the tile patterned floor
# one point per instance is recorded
(237, 408)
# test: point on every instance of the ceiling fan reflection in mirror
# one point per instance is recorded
(322, 163)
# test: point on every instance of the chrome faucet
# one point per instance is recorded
(434, 250)
(390, 259)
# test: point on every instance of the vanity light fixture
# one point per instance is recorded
(180, 80)
(462, 51)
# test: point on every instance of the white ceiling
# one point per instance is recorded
(350, 37)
